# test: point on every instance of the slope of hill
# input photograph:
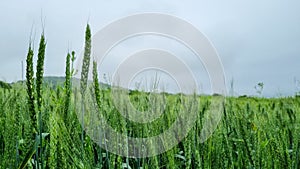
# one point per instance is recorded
(5, 85)
(54, 81)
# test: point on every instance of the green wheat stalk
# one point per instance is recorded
(30, 89)
(67, 88)
(84, 76)
(86, 61)
(39, 83)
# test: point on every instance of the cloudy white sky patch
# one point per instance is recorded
(257, 41)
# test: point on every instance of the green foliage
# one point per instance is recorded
(253, 133)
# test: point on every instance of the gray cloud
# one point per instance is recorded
(256, 40)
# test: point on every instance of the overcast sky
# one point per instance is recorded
(257, 41)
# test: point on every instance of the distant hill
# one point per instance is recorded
(5, 85)
(54, 81)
